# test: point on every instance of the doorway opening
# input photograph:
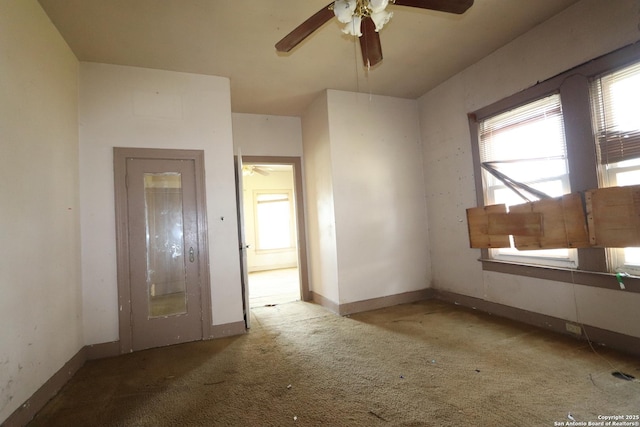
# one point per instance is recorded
(274, 230)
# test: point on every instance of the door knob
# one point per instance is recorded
(191, 255)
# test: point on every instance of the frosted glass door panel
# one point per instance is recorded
(166, 272)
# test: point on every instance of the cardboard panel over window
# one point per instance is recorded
(563, 224)
(518, 224)
(613, 214)
(478, 223)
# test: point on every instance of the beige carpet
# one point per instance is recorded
(274, 287)
(423, 364)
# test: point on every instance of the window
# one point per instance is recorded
(274, 224)
(597, 106)
(615, 99)
(523, 156)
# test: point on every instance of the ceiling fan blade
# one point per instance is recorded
(451, 6)
(303, 30)
(260, 171)
(370, 43)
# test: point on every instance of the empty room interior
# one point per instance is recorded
(371, 212)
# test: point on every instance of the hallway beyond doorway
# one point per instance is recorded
(274, 287)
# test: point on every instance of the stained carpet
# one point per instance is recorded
(421, 364)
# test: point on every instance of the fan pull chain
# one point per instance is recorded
(355, 62)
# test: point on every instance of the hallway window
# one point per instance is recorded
(274, 220)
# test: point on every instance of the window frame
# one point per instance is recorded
(574, 89)
(536, 111)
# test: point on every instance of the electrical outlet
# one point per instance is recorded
(573, 328)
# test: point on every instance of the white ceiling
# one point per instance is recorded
(236, 38)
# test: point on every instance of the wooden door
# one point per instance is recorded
(164, 262)
(244, 274)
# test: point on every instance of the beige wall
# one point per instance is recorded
(584, 31)
(381, 220)
(135, 107)
(321, 223)
(260, 135)
(365, 171)
(40, 294)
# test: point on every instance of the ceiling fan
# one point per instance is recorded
(364, 19)
(248, 170)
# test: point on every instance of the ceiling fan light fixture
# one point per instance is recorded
(381, 18)
(353, 27)
(344, 10)
(378, 5)
(364, 19)
(351, 12)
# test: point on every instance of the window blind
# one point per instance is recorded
(527, 145)
(616, 104)
(532, 131)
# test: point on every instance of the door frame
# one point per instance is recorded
(301, 227)
(120, 156)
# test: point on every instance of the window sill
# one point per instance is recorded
(579, 277)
